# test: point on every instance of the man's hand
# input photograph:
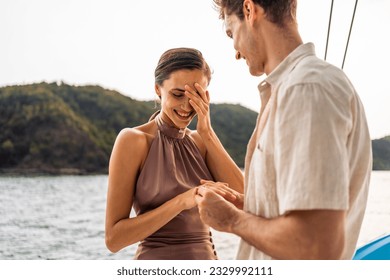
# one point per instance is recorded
(225, 191)
(215, 210)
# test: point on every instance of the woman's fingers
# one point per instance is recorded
(221, 188)
(198, 96)
(202, 93)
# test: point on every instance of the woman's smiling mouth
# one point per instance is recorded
(183, 115)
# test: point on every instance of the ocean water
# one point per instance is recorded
(62, 217)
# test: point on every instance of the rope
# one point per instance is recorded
(349, 35)
(327, 37)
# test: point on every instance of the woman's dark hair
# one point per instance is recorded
(180, 59)
(277, 11)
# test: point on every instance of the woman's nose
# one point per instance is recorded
(186, 104)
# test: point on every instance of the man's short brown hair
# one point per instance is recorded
(277, 11)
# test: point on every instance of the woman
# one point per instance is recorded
(156, 167)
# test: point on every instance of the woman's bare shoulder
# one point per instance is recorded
(136, 139)
(139, 133)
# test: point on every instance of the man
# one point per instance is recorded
(309, 159)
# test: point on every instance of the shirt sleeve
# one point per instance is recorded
(312, 124)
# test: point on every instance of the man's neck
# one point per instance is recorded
(280, 43)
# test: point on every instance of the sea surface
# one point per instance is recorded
(62, 218)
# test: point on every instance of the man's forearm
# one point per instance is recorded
(312, 234)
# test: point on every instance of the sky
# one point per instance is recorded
(116, 44)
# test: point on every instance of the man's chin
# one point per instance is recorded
(255, 73)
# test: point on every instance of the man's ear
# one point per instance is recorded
(157, 90)
(247, 8)
(251, 10)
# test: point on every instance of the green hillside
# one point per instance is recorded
(381, 153)
(59, 129)
(50, 128)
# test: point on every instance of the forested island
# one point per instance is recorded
(63, 129)
(56, 128)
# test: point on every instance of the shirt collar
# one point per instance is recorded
(288, 64)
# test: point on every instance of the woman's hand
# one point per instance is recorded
(187, 199)
(199, 99)
(227, 193)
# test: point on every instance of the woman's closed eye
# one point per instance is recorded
(178, 94)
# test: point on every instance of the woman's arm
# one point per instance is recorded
(129, 151)
(221, 165)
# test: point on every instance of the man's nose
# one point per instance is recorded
(238, 55)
